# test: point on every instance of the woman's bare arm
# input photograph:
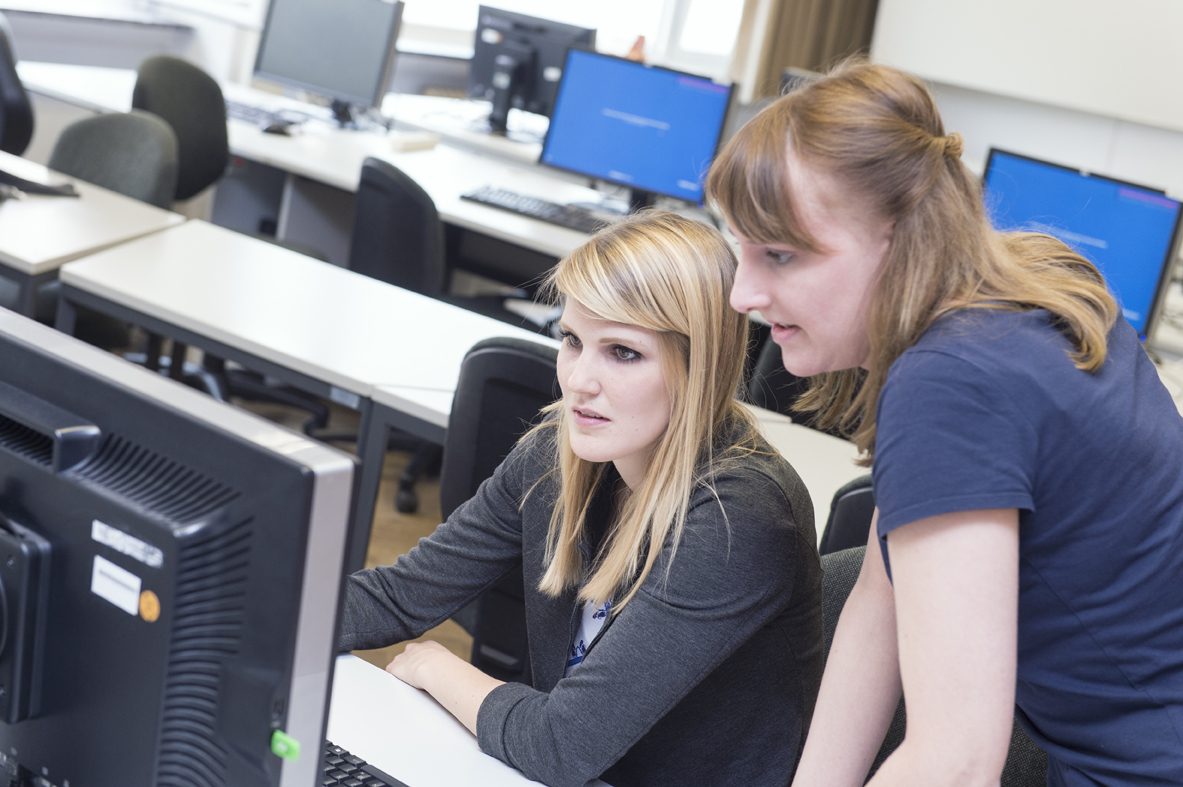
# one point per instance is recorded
(861, 685)
(956, 597)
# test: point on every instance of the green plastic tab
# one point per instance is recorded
(285, 746)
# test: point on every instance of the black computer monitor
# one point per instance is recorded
(651, 129)
(1128, 231)
(342, 49)
(517, 61)
(171, 573)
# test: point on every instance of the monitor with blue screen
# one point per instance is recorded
(650, 129)
(1128, 231)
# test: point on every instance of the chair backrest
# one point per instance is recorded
(397, 235)
(134, 154)
(16, 111)
(190, 101)
(1026, 763)
(771, 386)
(503, 384)
(850, 516)
(775, 388)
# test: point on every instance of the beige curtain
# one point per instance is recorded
(808, 34)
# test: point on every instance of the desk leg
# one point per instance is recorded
(26, 303)
(67, 315)
(176, 366)
(152, 352)
(371, 450)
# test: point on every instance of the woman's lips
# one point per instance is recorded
(782, 333)
(585, 417)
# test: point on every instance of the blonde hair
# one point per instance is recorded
(673, 276)
(877, 131)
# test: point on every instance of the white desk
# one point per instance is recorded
(40, 233)
(321, 155)
(323, 329)
(406, 733)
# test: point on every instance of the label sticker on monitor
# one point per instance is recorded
(127, 544)
(116, 584)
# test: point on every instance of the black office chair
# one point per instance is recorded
(134, 154)
(503, 384)
(16, 111)
(775, 388)
(850, 516)
(1026, 763)
(398, 238)
(190, 101)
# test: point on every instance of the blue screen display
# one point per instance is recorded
(1124, 230)
(642, 127)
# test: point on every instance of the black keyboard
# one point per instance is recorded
(347, 770)
(569, 216)
(251, 114)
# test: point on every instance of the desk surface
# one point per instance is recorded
(406, 733)
(39, 233)
(328, 154)
(348, 330)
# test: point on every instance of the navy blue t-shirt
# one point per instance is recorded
(988, 411)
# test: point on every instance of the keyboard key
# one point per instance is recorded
(343, 769)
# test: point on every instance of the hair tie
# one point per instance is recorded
(953, 145)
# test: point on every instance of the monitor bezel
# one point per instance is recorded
(718, 139)
(374, 101)
(1158, 300)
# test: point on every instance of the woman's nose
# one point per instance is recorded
(749, 292)
(582, 375)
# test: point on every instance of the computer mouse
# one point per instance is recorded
(279, 128)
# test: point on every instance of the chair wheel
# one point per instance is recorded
(406, 501)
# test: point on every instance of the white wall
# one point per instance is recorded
(1117, 59)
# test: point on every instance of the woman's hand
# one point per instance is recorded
(416, 664)
(455, 684)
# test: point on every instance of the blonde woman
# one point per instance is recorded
(1028, 542)
(672, 582)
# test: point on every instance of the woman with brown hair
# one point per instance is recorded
(1027, 547)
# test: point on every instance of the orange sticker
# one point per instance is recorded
(149, 606)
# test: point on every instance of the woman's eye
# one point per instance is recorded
(625, 353)
(569, 339)
(779, 257)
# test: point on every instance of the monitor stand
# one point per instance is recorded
(343, 114)
(508, 68)
(638, 199)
